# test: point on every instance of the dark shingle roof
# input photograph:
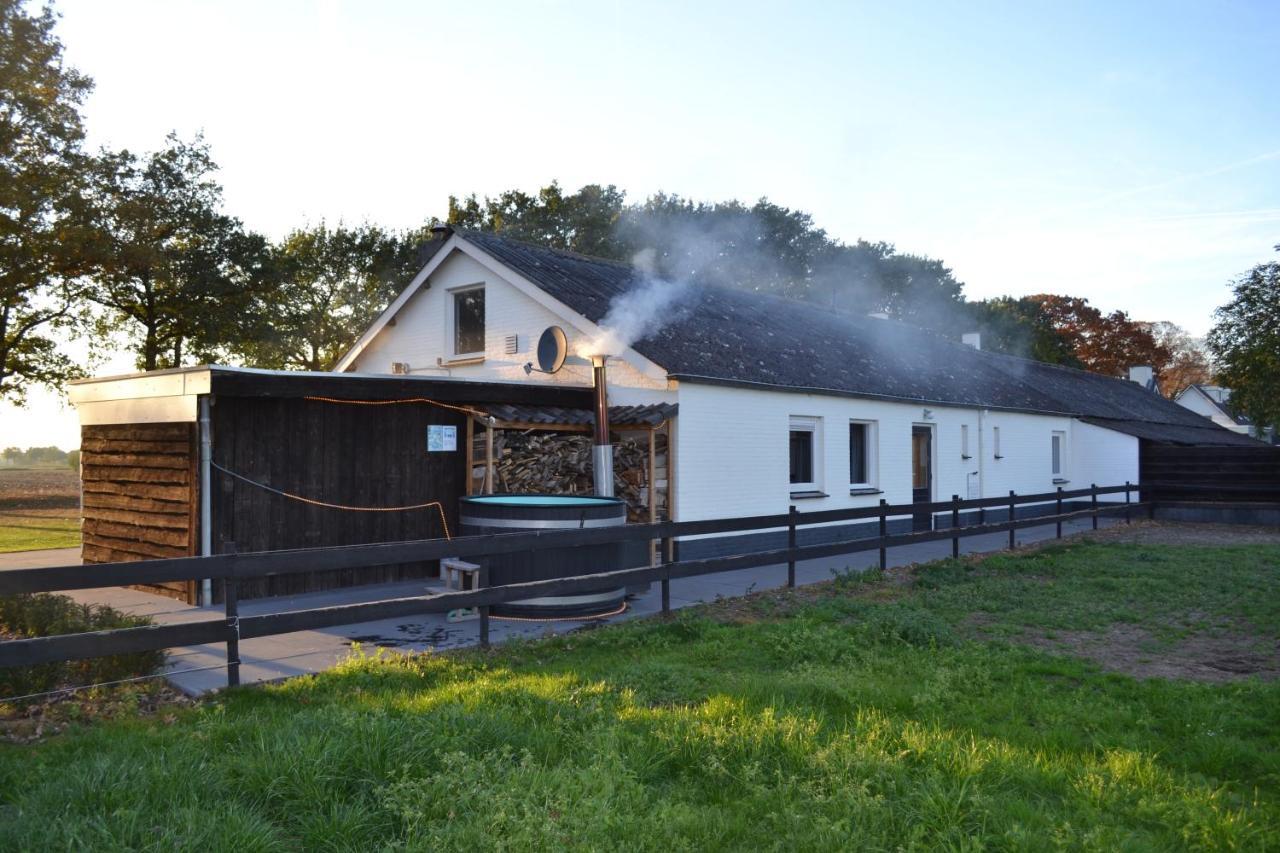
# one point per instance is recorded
(727, 336)
(1207, 433)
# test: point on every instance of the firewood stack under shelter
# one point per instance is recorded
(546, 450)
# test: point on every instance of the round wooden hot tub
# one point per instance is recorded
(483, 514)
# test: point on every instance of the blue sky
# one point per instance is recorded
(1124, 152)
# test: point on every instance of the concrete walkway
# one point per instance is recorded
(198, 669)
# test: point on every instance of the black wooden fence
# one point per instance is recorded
(234, 568)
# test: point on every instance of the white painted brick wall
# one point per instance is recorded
(733, 455)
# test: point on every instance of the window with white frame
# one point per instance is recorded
(466, 321)
(806, 453)
(964, 441)
(995, 442)
(862, 454)
(1058, 450)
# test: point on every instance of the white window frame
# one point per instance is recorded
(995, 443)
(800, 423)
(872, 450)
(451, 321)
(1061, 437)
(964, 442)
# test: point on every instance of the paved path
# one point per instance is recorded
(39, 559)
(198, 669)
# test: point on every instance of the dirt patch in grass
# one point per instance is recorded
(1228, 651)
(32, 722)
(1181, 533)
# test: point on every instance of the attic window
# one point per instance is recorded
(468, 321)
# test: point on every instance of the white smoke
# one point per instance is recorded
(639, 312)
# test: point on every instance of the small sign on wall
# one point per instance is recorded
(441, 437)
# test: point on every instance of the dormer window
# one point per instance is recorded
(468, 321)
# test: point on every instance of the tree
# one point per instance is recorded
(1103, 343)
(1188, 363)
(41, 204)
(762, 247)
(580, 222)
(330, 285)
(178, 273)
(1245, 342)
(1022, 327)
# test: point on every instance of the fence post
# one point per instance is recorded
(955, 526)
(1058, 512)
(231, 607)
(1013, 512)
(791, 547)
(1127, 514)
(884, 531)
(1093, 499)
(666, 577)
(482, 582)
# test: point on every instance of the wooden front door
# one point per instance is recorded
(922, 475)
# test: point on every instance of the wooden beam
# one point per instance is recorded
(488, 458)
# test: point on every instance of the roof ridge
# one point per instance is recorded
(569, 253)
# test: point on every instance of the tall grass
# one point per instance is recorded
(847, 723)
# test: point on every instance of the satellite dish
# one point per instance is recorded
(553, 346)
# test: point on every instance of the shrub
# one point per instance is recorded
(45, 615)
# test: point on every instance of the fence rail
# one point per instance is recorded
(233, 567)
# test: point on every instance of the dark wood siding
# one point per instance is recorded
(340, 453)
(1209, 473)
(139, 498)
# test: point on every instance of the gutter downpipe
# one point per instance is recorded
(206, 501)
(982, 456)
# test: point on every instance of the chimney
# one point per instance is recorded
(602, 451)
(972, 339)
(1142, 374)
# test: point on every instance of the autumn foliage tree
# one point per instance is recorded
(1188, 362)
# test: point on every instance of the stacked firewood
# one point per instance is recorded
(560, 463)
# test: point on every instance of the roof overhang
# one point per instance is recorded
(162, 396)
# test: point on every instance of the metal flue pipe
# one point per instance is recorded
(602, 451)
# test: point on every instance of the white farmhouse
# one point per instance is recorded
(777, 402)
(1214, 403)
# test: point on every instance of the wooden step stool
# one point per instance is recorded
(460, 575)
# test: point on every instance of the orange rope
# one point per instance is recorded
(463, 409)
(439, 506)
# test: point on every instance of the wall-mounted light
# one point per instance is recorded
(928, 415)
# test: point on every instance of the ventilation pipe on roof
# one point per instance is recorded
(602, 452)
(972, 339)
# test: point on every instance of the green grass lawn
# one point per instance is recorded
(35, 529)
(922, 710)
